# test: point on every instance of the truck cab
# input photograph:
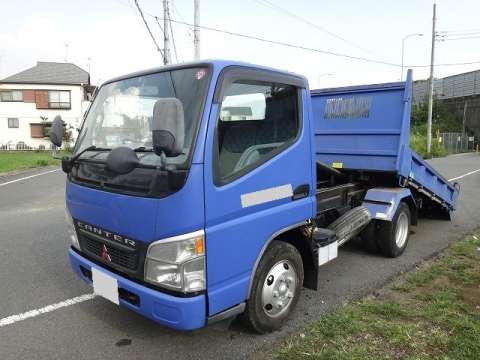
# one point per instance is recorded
(182, 234)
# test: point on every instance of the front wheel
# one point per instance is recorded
(393, 236)
(276, 288)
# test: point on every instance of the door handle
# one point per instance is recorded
(301, 191)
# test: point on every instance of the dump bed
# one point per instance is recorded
(367, 128)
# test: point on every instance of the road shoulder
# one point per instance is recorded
(432, 312)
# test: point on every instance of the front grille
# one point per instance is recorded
(127, 259)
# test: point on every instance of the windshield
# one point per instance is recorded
(121, 114)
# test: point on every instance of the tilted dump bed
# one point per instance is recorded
(367, 128)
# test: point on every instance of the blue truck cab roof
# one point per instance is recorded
(216, 64)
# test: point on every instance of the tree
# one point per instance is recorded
(443, 119)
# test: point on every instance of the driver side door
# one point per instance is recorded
(258, 154)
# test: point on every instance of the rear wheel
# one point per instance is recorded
(276, 288)
(393, 236)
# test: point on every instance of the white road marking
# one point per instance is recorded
(49, 308)
(27, 177)
(462, 176)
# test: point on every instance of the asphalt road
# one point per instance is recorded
(34, 273)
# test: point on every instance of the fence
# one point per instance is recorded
(458, 142)
(22, 146)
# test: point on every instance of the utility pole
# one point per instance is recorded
(430, 84)
(166, 34)
(196, 29)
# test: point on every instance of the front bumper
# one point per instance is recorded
(181, 313)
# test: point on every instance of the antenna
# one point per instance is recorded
(66, 53)
(196, 29)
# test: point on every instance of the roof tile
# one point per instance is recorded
(50, 73)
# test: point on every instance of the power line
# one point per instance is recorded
(148, 29)
(326, 52)
(160, 26)
(460, 38)
(449, 64)
(176, 11)
(459, 34)
(251, 37)
(173, 38)
(308, 22)
(459, 31)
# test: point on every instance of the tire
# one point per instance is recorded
(275, 289)
(393, 236)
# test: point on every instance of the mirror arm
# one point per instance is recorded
(159, 172)
(55, 154)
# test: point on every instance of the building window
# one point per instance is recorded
(13, 123)
(11, 95)
(59, 100)
(37, 131)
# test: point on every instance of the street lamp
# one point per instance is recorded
(403, 49)
(323, 75)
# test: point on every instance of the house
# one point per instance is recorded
(30, 100)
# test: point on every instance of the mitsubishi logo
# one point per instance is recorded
(105, 255)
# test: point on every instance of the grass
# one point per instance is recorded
(17, 160)
(418, 142)
(433, 313)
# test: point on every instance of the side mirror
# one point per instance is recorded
(57, 131)
(168, 127)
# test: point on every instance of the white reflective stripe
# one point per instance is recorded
(267, 195)
(49, 308)
(379, 215)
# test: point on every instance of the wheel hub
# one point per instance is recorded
(279, 288)
(401, 232)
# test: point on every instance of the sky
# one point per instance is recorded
(109, 37)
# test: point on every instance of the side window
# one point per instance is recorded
(257, 120)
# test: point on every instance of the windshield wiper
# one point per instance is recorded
(89, 148)
(67, 162)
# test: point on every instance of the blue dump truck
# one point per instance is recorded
(202, 191)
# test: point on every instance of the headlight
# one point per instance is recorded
(72, 234)
(177, 263)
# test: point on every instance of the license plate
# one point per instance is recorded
(105, 285)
